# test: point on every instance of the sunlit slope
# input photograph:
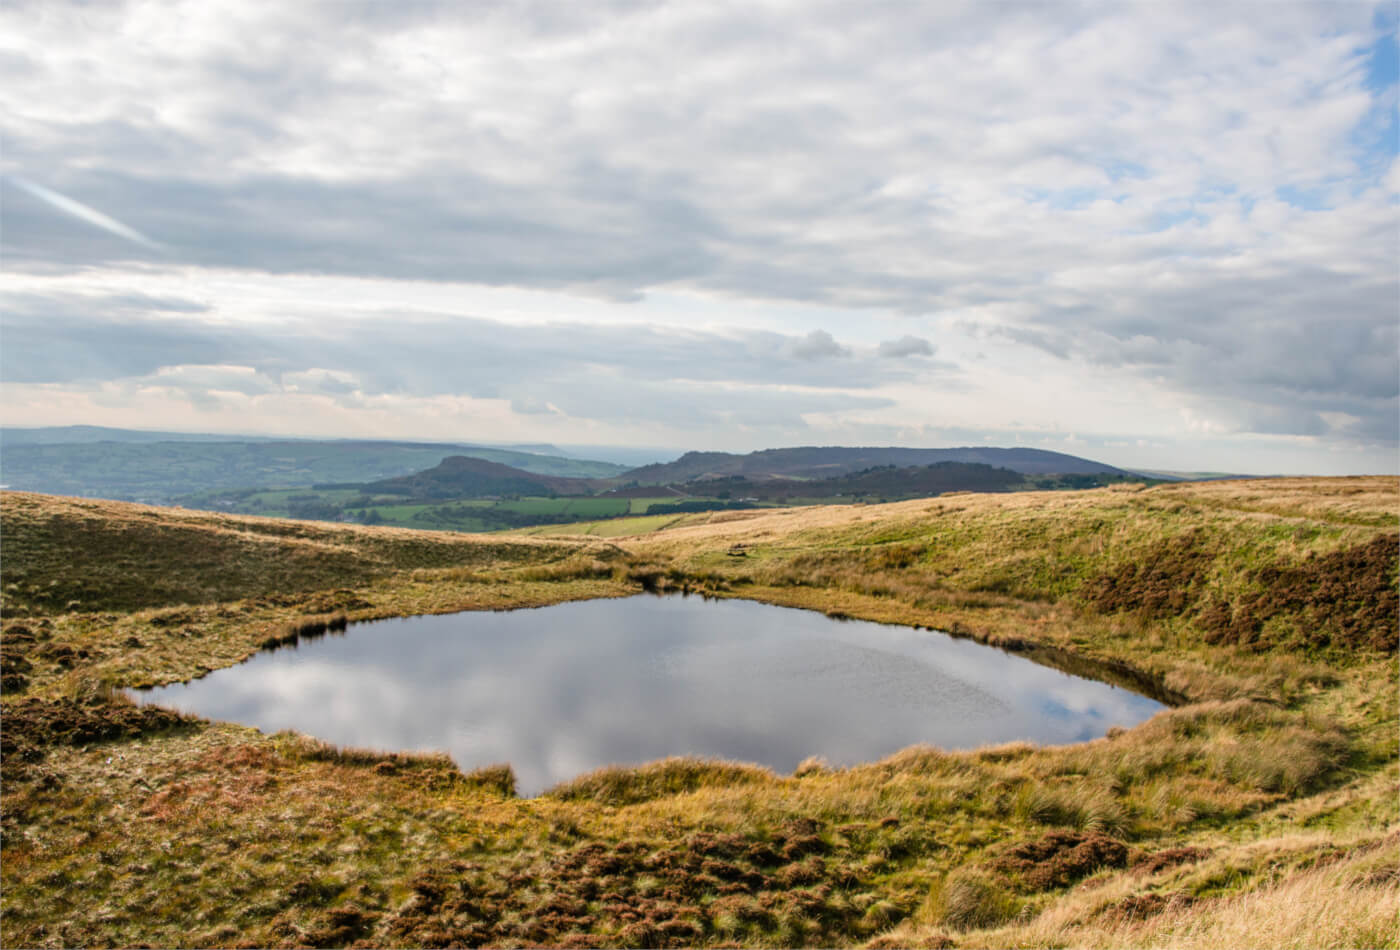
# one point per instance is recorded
(1293, 563)
(69, 554)
(1307, 563)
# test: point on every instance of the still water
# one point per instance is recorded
(557, 691)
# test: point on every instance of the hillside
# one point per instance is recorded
(1259, 810)
(831, 461)
(885, 480)
(69, 554)
(461, 477)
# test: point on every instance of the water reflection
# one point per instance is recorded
(559, 690)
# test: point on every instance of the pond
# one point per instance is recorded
(558, 691)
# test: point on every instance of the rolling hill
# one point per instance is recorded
(459, 476)
(830, 461)
(881, 480)
(126, 468)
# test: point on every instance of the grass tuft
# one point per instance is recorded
(628, 785)
(973, 900)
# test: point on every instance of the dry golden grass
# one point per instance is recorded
(1298, 892)
(69, 554)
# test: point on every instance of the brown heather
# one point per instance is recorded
(1260, 811)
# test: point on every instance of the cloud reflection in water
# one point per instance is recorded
(560, 690)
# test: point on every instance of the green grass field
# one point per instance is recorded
(581, 507)
(478, 515)
(567, 515)
(640, 505)
(277, 503)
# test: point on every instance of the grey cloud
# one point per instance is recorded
(818, 345)
(75, 337)
(33, 305)
(204, 401)
(1273, 348)
(1052, 343)
(321, 381)
(1269, 421)
(627, 372)
(905, 346)
(14, 65)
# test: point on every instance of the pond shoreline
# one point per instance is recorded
(647, 678)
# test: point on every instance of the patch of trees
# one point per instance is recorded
(311, 508)
(878, 481)
(1080, 481)
(925, 479)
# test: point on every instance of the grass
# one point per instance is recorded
(71, 555)
(1259, 811)
(615, 527)
(463, 515)
(580, 507)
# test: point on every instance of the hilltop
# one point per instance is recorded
(1259, 809)
(459, 476)
(830, 461)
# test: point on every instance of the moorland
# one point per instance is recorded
(1260, 810)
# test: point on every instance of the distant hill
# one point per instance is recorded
(831, 461)
(11, 436)
(1174, 476)
(130, 468)
(461, 477)
(887, 480)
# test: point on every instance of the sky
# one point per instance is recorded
(1161, 235)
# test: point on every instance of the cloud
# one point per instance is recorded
(905, 346)
(1191, 196)
(631, 143)
(316, 379)
(84, 213)
(818, 345)
(58, 338)
(531, 407)
(645, 374)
